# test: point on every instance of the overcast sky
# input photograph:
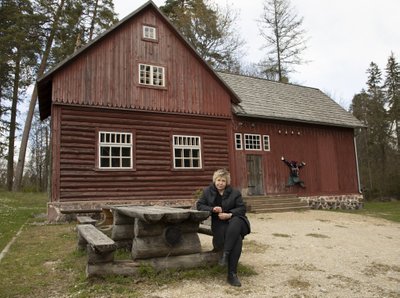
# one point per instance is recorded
(344, 37)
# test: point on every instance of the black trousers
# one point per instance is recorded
(228, 236)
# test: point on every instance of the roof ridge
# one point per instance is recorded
(268, 80)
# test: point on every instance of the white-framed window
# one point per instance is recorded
(187, 152)
(115, 150)
(252, 142)
(149, 32)
(266, 143)
(151, 75)
(238, 141)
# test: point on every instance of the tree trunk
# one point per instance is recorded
(29, 117)
(13, 122)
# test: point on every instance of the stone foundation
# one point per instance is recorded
(344, 202)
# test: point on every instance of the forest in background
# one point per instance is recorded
(35, 35)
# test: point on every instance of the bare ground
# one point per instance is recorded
(310, 254)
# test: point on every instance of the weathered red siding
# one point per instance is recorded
(76, 178)
(107, 74)
(328, 153)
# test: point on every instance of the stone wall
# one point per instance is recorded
(344, 202)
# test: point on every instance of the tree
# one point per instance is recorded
(20, 47)
(285, 40)
(209, 29)
(377, 151)
(63, 25)
(392, 90)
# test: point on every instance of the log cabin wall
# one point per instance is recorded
(76, 176)
(328, 152)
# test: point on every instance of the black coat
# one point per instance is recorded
(232, 202)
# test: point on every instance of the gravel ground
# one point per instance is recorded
(310, 254)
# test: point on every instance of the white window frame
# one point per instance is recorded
(118, 143)
(238, 141)
(149, 32)
(187, 152)
(151, 75)
(252, 141)
(266, 143)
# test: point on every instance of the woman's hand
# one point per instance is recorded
(217, 209)
(224, 216)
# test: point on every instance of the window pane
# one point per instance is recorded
(116, 151)
(105, 162)
(126, 162)
(126, 151)
(178, 152)
(104, 151)
(178, 163)
(115, 162)
(196, 163)
(186, 153)
(187, 163)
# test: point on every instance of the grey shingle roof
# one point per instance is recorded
(273, 100)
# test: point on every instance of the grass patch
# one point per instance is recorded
(298, 284)
(316, 235)
(16, 209)
(281, 235)
(252, 246)
(44, 260)
(386, 210)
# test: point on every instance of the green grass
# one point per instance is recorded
(386, 210)
(44, 260)
(17, 209)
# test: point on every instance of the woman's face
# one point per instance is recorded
(220, 183)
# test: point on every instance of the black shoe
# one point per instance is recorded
(224, 259)
(233, 280)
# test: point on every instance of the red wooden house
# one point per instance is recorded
(137, 116)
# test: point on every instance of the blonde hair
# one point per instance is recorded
(223, 173)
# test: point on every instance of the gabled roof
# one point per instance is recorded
(44, 82)
(261, 98)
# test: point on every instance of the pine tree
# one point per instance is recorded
(20, 46)
(392, 90)
(62, 24)
(209, 29)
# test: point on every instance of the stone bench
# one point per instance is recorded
(99, 246)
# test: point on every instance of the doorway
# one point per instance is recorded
(255, 175)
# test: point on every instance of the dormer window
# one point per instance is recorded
(149, 32)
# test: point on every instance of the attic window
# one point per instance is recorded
(151, 75)
(149, 32)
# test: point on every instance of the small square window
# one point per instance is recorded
(149, 32)
(151, 75)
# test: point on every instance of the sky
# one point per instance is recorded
(344, 37)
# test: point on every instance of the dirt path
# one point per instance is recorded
(310, 254)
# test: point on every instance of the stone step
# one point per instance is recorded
(279, 203)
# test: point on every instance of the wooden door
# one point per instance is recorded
(254, 175)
